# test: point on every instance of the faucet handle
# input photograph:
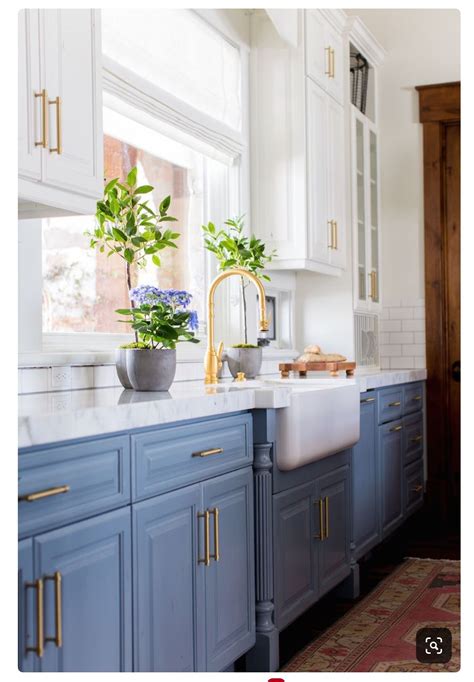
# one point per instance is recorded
(220, 349)
(241, 376)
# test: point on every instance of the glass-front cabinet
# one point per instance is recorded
(365, 212)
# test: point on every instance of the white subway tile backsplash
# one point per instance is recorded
(35, 379)
(384, 338)
(105, 375)
(402, 363)
(413, 325)
(401, 313)
(420, 337)
(414, 349)
(401, 337)
(60, 378)
(82, 377)
(420, 363)
(390, 325)
(419, 313)
(384, 363)
(390, 350)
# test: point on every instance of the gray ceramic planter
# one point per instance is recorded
(150, 370)
(247, 360)
(121, 367)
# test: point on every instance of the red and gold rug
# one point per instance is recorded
(379, 633)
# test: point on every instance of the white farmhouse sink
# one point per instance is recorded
(323, 418)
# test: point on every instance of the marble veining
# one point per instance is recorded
(62, 415)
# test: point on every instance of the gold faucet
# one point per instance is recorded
(212, 360)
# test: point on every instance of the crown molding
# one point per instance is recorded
(359, 34)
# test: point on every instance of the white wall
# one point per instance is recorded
(423, 47)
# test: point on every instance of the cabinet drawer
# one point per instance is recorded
(413, 487)
(390, 404)
(94, 477)
(412, 398)
(169, 458)
(413, 437)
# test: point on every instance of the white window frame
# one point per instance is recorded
(127, 93)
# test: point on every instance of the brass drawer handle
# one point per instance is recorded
(58, 609)
(417, 397)
(49, 492)
(59, 133)
(44, 118)
(326, 532)
(207, 558)
(331, 242)
(396, 403)
(215, 514)
(328, 60)
(396, 428)
(206, 453)
(334, 223)
(320, 535)
(39, 648)
(368, 400)
(417, 489)
(333, 65)
(416, 439)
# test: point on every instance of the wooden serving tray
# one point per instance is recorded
(303, 367)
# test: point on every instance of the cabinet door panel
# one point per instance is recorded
(365, 481)
(29, 83)
(94, 559)
(295, 568)
(72, 68)
(336, 174)
(168, 583)
(317, 145)
(27, 634)
(335, 84)
(413, 485)
(334, 550)
(391, 456)
(230, 591)
(316, 50)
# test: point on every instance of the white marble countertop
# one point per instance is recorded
(63, 415)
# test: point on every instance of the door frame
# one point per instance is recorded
(439, 106)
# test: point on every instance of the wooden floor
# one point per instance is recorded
(417, 538)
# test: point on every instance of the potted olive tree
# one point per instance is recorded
(234, 249)
(128, 228)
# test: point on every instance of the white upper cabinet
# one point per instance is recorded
(324, 48)
(60, 110)
(298, 146)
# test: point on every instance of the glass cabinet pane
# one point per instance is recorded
(361, 211)
(374, 220)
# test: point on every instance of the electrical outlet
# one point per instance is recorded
(60, 378)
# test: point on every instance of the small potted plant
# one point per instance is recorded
(161, 319)
(127, 227)
(234, 249)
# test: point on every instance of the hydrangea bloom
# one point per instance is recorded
(148, 294)
(193, 320)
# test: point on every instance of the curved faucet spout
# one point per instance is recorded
(212, 361)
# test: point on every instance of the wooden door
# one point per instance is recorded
(86, 569)
(230, 576)
(169, 620)
(440, 114)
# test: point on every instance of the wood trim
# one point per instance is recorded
(440, 102)
(439, 107)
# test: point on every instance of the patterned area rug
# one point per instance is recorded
(379, 633)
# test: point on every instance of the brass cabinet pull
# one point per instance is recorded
(416, 439)
(373, 285)
(333, 63)
(39, 648)
(44, 118)
(207, 558)
(320, 536)
(206, 453)
(331, 233)
(396, 403)
(326, 532)
(416, 397)
(215, 514)
(417, 489)
(336, 246)
(371, 292)
(328, 61)
(49, 492)
(58, 609)
(59, 133)
(396, 428)
(368, 400)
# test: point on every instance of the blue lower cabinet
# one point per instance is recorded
(413, 487)
(229, 578)
(169, 618)
(391, 467)
(295, 561)
(333, 492)
(365, 483)
(86, 572)
(27, 608)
